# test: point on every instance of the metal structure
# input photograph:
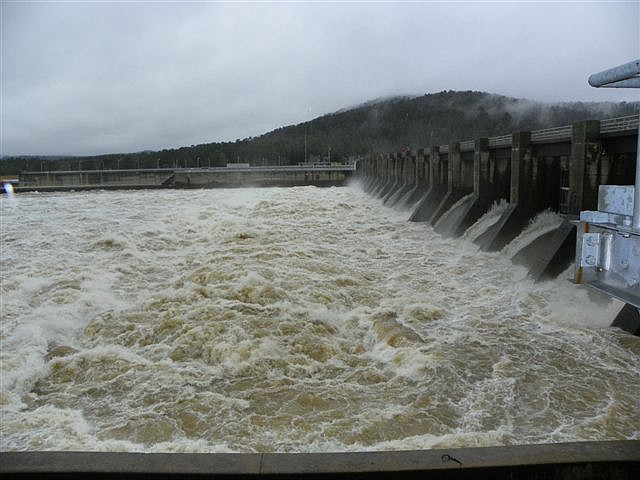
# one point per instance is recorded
(608, 240)
(622, 76)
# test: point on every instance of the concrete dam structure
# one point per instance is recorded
(230, 177)
(558, 169)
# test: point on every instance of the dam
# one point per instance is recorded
(572, 170)
(276, 326)
(233, 176)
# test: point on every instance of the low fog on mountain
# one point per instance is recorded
(96, 78)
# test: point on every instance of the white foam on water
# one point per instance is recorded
(486, 220)
(402, 203)
(454, 209)
(542, 223)
(450, 440)
(289, 320)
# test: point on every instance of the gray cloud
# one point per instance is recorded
(86, 78)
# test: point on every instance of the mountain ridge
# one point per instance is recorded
(383, 125)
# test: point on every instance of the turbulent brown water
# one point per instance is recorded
(288, 320)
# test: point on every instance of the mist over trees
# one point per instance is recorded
(384, 125)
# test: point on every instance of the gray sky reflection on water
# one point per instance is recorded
(88, 78)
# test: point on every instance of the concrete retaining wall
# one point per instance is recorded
(618, 460)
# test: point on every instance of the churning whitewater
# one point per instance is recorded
(289, 320)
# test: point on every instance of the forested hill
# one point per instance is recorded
(378, 126)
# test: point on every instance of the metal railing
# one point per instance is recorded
(333, 166)
(273, 168)
(552, 135)
(501, 141)
(620, 124)
(467, 145)
(556, 134)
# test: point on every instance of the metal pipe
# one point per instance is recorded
(615, 74)
(633, 82)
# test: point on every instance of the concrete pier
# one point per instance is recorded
(407, 180)
(421, 180)
(438, 184)
(490, 184)
(584, 163)
(551, 253)
(397, 177)
(522, 198)
(391, 179)
(459, 185)
(454, 190)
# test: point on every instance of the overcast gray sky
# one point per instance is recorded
(89, 78)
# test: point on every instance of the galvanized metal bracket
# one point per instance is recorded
(608, 260)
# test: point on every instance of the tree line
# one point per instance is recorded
(385, 125)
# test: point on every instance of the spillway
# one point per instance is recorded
(289, 320)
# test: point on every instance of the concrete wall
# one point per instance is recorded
(96, 178)
(619, 460)
(260, 178)
(185, 178)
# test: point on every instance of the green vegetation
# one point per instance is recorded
(379, 126)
